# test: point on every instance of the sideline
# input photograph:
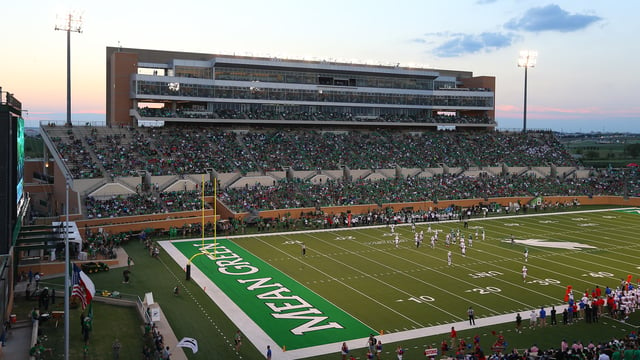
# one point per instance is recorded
(260, 339)
(501, 217)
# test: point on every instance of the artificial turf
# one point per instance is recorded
(391, 289)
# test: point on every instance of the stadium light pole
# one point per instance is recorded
(72, 23)
(526, 60)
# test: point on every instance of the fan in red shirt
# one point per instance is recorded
(454, 337)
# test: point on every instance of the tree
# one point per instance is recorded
(592, 155)
(632, 150)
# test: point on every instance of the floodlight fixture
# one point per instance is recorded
(527, 59)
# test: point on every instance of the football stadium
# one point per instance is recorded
(319, 209)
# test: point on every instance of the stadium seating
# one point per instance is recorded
(181, 150)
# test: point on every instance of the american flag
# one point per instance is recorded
(83, 287)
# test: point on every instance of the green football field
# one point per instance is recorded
(356, 281)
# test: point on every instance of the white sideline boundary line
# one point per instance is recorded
(260, 339)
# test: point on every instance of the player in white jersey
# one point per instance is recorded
(482, 234)
(526, 255)
(416, 237)
(524, 273)
(433, 242)
(397, 240)
(449, 258)
(393, 228)
(463, 250)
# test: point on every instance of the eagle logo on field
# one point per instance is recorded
(568, 245)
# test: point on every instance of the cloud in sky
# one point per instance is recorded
(551, 18)
(546, 18)
(459, 44)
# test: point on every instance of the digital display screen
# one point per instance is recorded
(20, 159)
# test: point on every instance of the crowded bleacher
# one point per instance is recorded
(179, 150)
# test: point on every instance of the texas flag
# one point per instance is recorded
(83, 287)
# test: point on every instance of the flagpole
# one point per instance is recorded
(202, 188)
(215, 217)
(66, 276)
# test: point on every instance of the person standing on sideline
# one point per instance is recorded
(166, 354)
(553, 316)
(371, 343)
(116, 349)
(533, 319)
(268, 352)
(344, 350)
(379, 350)
(400, 352)
(518, 323)
(543, 317)
(237, 339)
(454, 337)
(369, 355)
(472, 320)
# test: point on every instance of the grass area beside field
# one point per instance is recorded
(110, 322)
(191, 314)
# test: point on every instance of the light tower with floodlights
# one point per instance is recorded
(527, 60)
(70, 23)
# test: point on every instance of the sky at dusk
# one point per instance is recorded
(583, 81)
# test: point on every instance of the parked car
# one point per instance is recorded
(93, 267)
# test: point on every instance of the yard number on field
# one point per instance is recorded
(545, 282)
(599, 274)
(485, 274)
(485, 290)
(422, 299)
